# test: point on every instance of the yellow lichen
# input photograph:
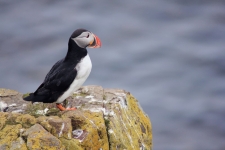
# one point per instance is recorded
(93, 124)
(19, 144)
(141, 123)
(129, 128)
(39, 138)
(11, 118)
(43, 120)
(71, 144)
(26, 120)
(97, 135)
(9, 133)
(3, 119)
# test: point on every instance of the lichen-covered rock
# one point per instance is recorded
(11, 101)
(105, 119)
(59, 127)
(19, 144)
(3, 120)
(88, 128)
(128, 127)
(39, 139)
(9, 134)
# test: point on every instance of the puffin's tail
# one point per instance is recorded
(38, 98)
(30, 97)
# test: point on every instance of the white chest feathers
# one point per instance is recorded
(83, 70)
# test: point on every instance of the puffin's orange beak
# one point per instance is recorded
(96, 43)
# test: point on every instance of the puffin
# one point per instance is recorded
(68, 74)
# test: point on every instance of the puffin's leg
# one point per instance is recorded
(60, 106)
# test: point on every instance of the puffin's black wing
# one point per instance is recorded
(56, 82)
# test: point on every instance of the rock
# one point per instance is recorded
(7, 92)
(59, 127)
(9, 134)
(12, 101)
(88, 128)
(105, 119)
(38, 139)
(19, 144)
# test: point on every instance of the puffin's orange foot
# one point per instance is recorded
(60, 106)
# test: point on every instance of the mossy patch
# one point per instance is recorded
(104, 97)
(15, 118)
(11, 118)
(38, 109)
(71, 144)
(79, 94)
(107, 123)
(3, 120)
(32, 109)
(53, 112)
(26, 120)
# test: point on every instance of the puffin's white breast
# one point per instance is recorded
(83, 70)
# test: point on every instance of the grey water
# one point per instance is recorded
(168, 53)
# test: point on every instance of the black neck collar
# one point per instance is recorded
(75, 53)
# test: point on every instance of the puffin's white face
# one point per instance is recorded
(87, 39)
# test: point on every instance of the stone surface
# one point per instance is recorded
(105, 119)
(39, 139)
(59, 127)
(9, 133)
(19, 144)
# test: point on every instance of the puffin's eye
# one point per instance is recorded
(87, 36)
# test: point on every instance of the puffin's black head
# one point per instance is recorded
(84, 38)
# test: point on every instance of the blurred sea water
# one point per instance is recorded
(168, 54)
